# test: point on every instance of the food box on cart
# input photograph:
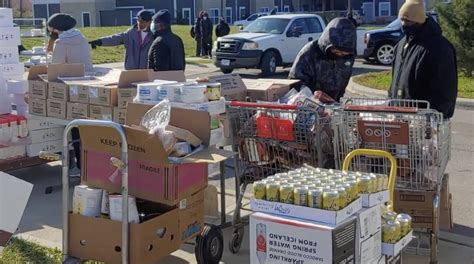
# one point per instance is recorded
(373, 199)
(232, 86)
(394, 249)
(277, 239)
(100, 239)
(151, 175)
(269, 90)
(306, 213)
(213, 107)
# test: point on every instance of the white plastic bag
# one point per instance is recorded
(156, 120)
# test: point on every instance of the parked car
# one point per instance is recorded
(267, 42)
(250, 19)
(380, 43)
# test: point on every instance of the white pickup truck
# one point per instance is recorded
(268, 42)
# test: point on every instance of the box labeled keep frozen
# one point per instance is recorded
(373, 199)
(306, 213)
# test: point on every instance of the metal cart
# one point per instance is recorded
(209, 244)
(273, 138)
(416, 135)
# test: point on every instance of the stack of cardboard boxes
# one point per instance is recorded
(43, 136)
(10, 65)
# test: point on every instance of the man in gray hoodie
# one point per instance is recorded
(137, 41)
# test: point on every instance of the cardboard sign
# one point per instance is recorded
(14, 195)
(386, 132)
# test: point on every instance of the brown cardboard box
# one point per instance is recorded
(37, 106)
(79, 93)
(103, 95)
(77, 111)
(267, 89)
(101, 112)
(232, 86)
(57, 89)
(151, 175)
(191, 219)
(125, 96)
(119, 115)
(56, 108)
(36, 86)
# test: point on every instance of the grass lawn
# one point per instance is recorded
(116, 54)
(382, 80)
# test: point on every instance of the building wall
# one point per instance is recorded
(112, 18)
(263, 3)
(76, 7)
(180, 4)
(250, 7)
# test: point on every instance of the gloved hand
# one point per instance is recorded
(95, 43)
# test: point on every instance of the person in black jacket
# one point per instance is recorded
(196, 34)
(223, 28)
(206, 31)
(167, 51)
(425, 66)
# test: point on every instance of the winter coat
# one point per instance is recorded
(72, 47)
(136, 50)
(206, 28)
(315, 68)
(222, 29)
(196, 30)
(425, 68)
(167, 52)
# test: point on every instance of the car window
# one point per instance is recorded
(314, 26)
(267, 25)
(301, 23)
(252, 17)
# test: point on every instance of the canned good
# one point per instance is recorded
(384, 181)
(273, 192)
(351, 178)
(331, 200)
(364, 184)
(345, 173)
(317, 182)
(301, 195)
(259, 190)
(357, 174)
(331, 172)
(391, 232)
(342, 197)
(213, 91)
(389, 216)
(348, 188)
(338, 181)
(379, 182)
(354, 189)
(315, 197)
(286, 194)
(374, 180)
(405, 224)
(321, 170)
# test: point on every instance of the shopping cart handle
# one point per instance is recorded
(49, 156)
(257, 105)
(380, 108)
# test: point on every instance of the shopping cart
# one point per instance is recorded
(209, 244)
(272, 138)
(416, 135)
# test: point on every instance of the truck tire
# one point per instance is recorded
(269, 63)
(227, 70)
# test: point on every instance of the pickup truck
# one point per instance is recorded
(266, 43)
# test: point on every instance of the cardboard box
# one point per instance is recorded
(369, 222)
(423, 218)
(12, 69)
(373, 199)
(14, 195)
(119, 115)
(101, 112)
(151, 175)
(35, 123)
(9, 54)
(37, 107)
(125, 96)
(398, 259)
(44, 135)
(6, 17)
(10, 36)
(185, 135)
(232, 86)
(395, 249)
(407, 200)
(79, 93)
(306, 213)
(268, 89)
(213, 107)
(57, 89)
(33, 150)
(36, 86)
(191, 216)
(56, 108)
(103, 95)
(276, 239)
(77, 111)
(369, 251)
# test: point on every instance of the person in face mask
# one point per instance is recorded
(326, 64)
(425, 66)
(137, 41)
(206, 34)
(167, 51)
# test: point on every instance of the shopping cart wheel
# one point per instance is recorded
(209, 245)
(236, 241)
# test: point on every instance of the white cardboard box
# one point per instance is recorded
(6, 17)
(33, 150)
(369, 251)
(372, 199)
(14, 195)
(306, 213)
(213, 107)
(9, 55)
(394, 249)
(45, 135)
(369, 222)
(277, 239)
(10, 36)
(14, 69)
(36, 123)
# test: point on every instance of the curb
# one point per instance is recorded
(362, 90)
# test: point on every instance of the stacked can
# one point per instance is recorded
(395, 227)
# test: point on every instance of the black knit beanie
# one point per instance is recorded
(61, 22)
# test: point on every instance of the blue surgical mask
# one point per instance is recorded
(152, 27)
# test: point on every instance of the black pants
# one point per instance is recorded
(206, 46)
(76, 143)
(198, 47)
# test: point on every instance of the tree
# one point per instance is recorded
(457, 22)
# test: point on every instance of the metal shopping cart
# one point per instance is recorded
(272, 138)
(416, 135)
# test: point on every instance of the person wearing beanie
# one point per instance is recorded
(70, 46)
(326, 64)
(206, 35)
(425, 65)
(167, 51)
(137, 41)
